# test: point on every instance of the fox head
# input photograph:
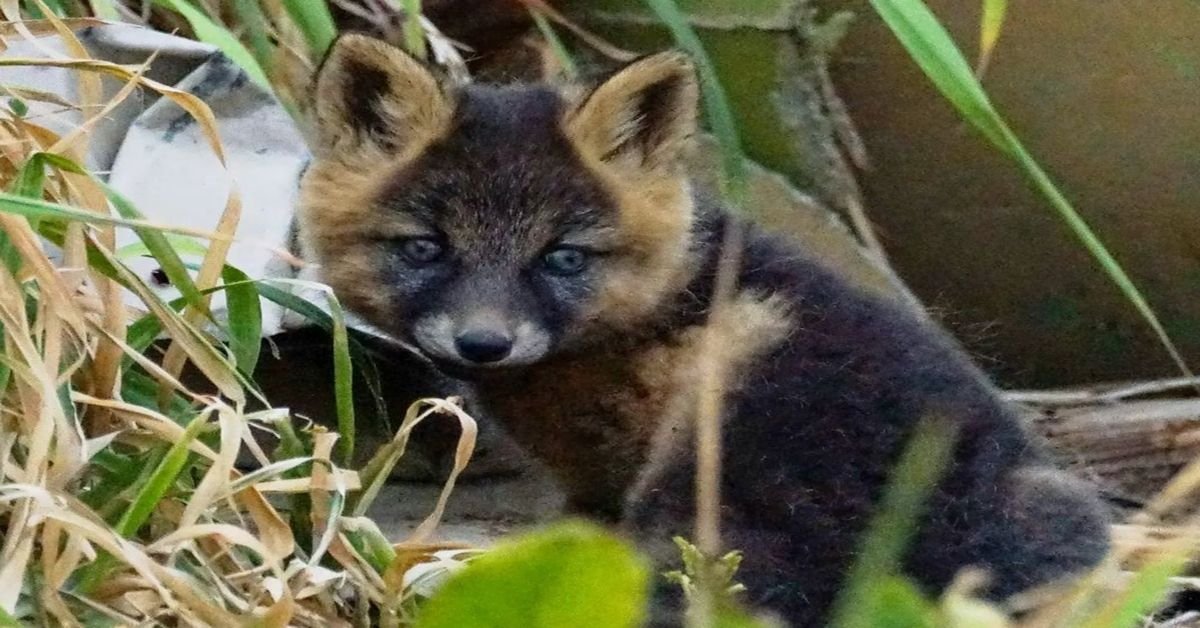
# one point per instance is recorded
(495, 226)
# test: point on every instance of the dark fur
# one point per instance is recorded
(829, 382)
(811, 442)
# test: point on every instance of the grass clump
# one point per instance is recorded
(122, 500)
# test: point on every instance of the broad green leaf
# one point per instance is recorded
(931, 47)
(210, 32)
(897, 603)
(573, 574)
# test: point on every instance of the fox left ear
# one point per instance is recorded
(644, 116)
(372, 94)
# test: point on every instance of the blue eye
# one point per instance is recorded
(565, 261)
(421, 250)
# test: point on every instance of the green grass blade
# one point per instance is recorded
(990, 25)
(244, 309)
(1149, 590)
(8, 621)
(414, 35)
(343, 369)
(160, 481)
(934, 51)
(912, 482)
(313, 19)
(210, 32)
(106, 9)
(146, 500)
(254, 24)
(570, 68)
(30, 183)
(161, 250)
(36, 209)
(716, 106)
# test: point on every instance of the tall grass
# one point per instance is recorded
(120, 501)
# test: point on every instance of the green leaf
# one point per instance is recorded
(990, 26)
(254, 24)
(891, 530)
(146, 500)
(244, 309)
(343, 368)
(931, 47)
(1147, 593)
(106, 9)
(210, 32)
(573, 574)
(36, 209)
(8, 621)
(414, 35)
(161, 480)
(313, 19)
(30, 182)
(18, 107)
(897, 603)
(160, 248)
(570, 69)
(369, 541)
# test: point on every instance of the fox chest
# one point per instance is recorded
(599, 413)
(595, 419)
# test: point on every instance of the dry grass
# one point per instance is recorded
(119, 495)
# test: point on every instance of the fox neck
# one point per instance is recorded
(592, 413)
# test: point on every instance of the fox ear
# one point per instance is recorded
(644, 116)
(370, 93)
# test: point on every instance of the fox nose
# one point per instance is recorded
(483, 345)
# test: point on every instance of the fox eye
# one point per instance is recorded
(565, 260)
(421, 250)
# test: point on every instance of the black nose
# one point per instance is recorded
(483, 345)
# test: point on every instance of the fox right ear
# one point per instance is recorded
(642, 117)
(372, 94)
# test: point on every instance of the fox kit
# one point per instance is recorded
(546, 245)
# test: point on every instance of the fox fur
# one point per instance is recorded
(547, 244)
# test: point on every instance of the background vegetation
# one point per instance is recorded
(120, 500)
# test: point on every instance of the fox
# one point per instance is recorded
(545, 243)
